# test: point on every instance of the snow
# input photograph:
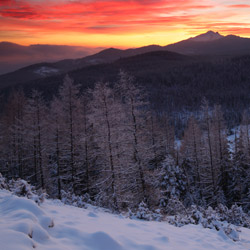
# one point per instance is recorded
(53, 225)
(209, 36)
(44, 71)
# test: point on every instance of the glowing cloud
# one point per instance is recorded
(118, 22)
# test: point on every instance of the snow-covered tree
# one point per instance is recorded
(221, 151)
(12, 137)
(192, 159)
(139, 145)
(35, 126)
(210, 172)
(106, 119)
(70, 126)
(239, 175)
(173, 183)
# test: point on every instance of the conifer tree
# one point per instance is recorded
(12, 137)
(71, 127)
(35, 127)
(105, 113)
(239, 176)
(221, 151)
(209, 172)
(192, 159)
(55, 148)
(140, 146)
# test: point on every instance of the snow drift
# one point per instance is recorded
(52, 225)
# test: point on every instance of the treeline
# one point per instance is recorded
(107, 144)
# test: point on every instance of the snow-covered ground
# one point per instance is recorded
(54, 226)
(45, 71)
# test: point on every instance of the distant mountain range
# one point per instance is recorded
(210, 43)
(14, 56)
(176, 76)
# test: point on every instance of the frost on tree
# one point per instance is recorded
(105, 114)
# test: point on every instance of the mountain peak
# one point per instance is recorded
(208, 36)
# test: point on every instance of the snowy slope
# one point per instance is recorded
(209, 36)
(46, 71)
(25, 225)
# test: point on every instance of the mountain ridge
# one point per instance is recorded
(14, 56)
(230, 45)
(215, 45)
(208, 36)
(207, 43)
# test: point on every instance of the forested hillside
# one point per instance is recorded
(175, 83)
(110, 145)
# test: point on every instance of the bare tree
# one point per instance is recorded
(35, 137)
(191, 155)
(105, 116)
(12, 137)
(140, 144)
(209, 172)
(71, 127)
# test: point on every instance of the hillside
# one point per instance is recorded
(167, 78)
(25, 225)
(15, 56)
(46, 69)
(224, 46)
(209, 44)
(209, 65)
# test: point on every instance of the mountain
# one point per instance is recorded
(206, 37)
(208, 45)
(14, 56)
(104, 56)
(212, 43)
(40, 70)
(175, 83)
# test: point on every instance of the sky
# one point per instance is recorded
(119, 23)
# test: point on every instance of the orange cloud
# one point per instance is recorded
(239, 6)
(48, 20)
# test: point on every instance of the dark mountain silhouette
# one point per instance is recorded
(41, 70)
(104, 56)
(216, 67)
(212, 43)
(175, 83)
(14, 56)
(206, 37)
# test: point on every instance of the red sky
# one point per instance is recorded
(119, 23)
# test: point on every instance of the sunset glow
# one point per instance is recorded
(119, 23)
